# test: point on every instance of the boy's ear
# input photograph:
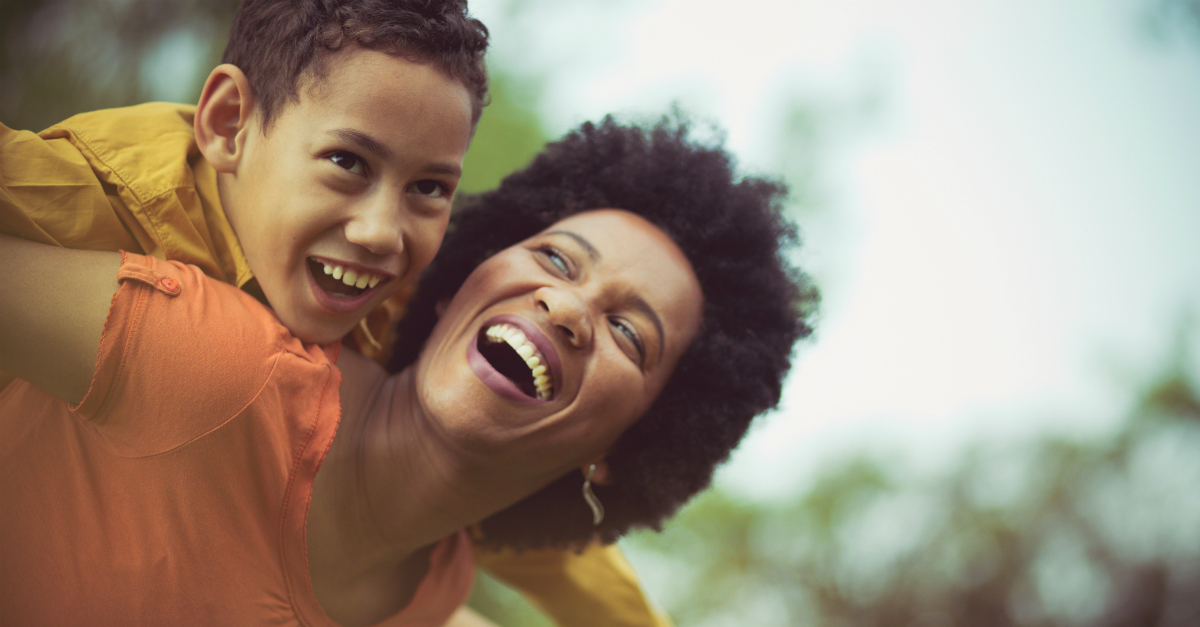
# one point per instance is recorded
(223, 117)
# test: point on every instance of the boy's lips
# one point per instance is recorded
(341, 287)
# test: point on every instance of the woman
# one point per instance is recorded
(204, 477)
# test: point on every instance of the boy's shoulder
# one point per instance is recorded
(134, 179)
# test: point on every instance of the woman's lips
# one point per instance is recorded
(497, 380)
(494, 379)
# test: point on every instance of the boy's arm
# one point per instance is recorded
(119, 179)
(50, 194)
(53, 302)
(595, 588)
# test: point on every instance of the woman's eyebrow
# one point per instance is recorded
(638, 302)
(591, 251)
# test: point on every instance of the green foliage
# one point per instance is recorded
(1163, 19)
(502, 605)
(508, 136)
(62, 57)
(1045, 533)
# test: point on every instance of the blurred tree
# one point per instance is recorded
(1166, 18)
(61, 57)
(1101, 533)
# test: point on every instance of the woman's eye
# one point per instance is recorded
(557, 259)
(627, 330)
(430, 187)
(348, 161)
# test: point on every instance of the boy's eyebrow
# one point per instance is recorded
(370, 144)
(637, 301)
(364, 141)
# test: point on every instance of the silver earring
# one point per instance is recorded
(590, 497)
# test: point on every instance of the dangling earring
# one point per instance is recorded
(590, 497)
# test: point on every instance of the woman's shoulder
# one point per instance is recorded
(179, 343)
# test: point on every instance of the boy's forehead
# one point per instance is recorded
(346, 81)
(321, 76)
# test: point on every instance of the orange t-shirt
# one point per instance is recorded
(176, 492)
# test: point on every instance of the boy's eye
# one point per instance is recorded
(626, 330)
(430, 187)
(348, 161)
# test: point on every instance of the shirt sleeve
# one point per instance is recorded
(595, 588)
(173, 339)
(50, 194)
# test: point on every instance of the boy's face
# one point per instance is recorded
(347, 195)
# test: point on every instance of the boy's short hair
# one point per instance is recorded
(756, 306)
(276, 42)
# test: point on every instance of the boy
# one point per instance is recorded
(316, 173)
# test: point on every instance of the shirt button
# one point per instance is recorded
(169, 284)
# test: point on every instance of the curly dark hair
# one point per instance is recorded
(275, 42)
(756, 306)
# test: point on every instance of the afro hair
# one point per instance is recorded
(756, 306)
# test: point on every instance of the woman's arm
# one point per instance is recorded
(53, 304)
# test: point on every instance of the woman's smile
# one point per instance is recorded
(515, 359)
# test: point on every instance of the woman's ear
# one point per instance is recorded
(223, 117)
(599, 474)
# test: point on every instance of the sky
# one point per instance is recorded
(1007, 216)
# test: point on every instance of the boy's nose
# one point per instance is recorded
(567, 312)
(378, 227)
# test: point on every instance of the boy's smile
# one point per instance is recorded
(345, 287)
(346, 196)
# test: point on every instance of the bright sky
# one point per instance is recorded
(1006, 245)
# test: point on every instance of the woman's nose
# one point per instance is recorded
(568, 313)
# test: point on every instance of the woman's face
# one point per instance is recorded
(553, 347)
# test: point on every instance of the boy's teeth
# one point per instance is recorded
(515, 338)
(353, 278)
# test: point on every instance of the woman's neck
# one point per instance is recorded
(391, 485)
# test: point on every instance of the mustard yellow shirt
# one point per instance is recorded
(133, 179)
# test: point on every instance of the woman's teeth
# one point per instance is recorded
(534, 359)
(351, 277)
